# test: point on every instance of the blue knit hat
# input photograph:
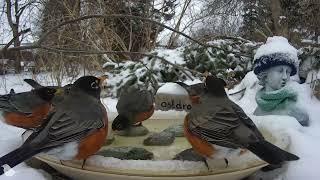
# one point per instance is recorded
(276, 51)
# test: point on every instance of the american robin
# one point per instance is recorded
(60, 91)
(217, 121)
(27, 109)
(135, 105)
(75, 129)
(36, 85)
(193, 90)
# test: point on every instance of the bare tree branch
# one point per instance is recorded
(9, 13)
(14, 38)
(38, 43)
(42, 38)
(174, 37)
(22, 8)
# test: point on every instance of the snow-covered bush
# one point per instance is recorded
(231, 60)
(151, 72)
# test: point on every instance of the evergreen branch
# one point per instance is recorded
(59, 50)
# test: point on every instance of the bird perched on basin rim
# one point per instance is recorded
(75, 129)
(217, 121)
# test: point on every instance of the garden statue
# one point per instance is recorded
(274, 63)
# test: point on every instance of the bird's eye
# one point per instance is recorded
(94, 85)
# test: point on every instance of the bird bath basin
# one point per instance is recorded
(161, 167)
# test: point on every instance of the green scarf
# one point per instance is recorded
(278, 99)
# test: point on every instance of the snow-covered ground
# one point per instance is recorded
(304, 140)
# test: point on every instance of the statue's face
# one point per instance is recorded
(277, 77)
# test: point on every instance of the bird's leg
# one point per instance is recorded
(226, 161)
(83, 163)
(206, 163)
(61, 162)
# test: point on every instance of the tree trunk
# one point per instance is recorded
(15, 31)
(279, 29)
(174, 36)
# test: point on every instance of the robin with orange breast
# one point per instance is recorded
(27, 109)
(216, 121)
(136, 104)
(193, 90)
(60, 91)
(75, 129)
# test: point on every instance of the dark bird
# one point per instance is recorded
(27, 109)
(193, 90)
(136, 104)
(58, 95)
(75, 129)
(218, 121)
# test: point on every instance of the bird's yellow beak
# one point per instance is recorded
(59, 92)
(205, 75)
(102, 79)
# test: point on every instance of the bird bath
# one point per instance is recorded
(161, 167)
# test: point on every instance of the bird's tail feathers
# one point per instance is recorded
(16, 157)
(120, 123)
(33, 83)
(271, 153)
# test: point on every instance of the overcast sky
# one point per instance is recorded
(28, 20)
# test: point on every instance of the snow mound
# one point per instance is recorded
(172, 88)
(277, 44)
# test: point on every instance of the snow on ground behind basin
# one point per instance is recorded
(304, 140)
(306, 143)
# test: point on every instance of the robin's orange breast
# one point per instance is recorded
(91, 144)
(199, 145)
(28, 121)
(195, 99)
(144, 115)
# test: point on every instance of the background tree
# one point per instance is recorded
(15, 13)
(294, 19)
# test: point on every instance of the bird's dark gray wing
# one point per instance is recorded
(246, 120)
(68, 125)
(20, 102)
(135, 101)
(216, 127)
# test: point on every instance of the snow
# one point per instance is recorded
(147, 165)
(312, 76)
(304, 140)
(175, 56)
(191, 82)
(246, 99)
(277, 44)
(10, 138)
(172, 88)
